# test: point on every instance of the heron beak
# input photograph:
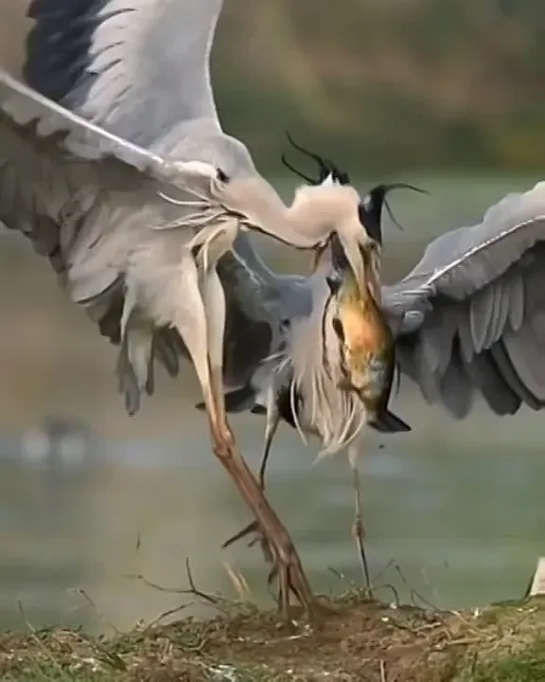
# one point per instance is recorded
(355, 255)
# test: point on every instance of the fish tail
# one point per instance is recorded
(388, 422)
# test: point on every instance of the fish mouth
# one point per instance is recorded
(362, 389)
(345, 384)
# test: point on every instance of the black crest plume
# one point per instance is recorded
(325, 166)
(370, 209)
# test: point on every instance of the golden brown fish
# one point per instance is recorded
(367, 348)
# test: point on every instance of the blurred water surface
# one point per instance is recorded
(457, 506)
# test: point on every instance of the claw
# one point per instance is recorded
(281, 570)
(252, 527)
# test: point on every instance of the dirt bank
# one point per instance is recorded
(358, 640)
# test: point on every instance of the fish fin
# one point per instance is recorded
(388, 422)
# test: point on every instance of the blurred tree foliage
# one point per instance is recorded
(379, 85)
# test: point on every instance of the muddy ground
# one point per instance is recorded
(356, 639)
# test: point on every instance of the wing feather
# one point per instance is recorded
(484, 375)
(88, 200)
(139, 68)
(457, 391)
(471, 315)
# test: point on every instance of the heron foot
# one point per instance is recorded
(275, 540)
(286, 568)
(252, 529)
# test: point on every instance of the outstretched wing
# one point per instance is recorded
(470, 317)
(87, 199)
(63, 182)
(139, 68)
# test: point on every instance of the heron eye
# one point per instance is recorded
(333, 284)
(338, 329)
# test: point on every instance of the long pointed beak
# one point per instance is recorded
(345, 257)
(353, 259)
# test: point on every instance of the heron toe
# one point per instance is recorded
(286, 568)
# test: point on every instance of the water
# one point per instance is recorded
(460, 513)
(457, 506)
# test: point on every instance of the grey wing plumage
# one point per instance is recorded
(130, 80)
(57, 175)
(139, 68)
(258, 303)
(87, 200)
(470, 317)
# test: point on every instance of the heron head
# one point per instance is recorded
(328, 176)
(366, 213)
(370, 208)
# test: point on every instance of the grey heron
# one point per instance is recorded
(114, 163)
(467, 320)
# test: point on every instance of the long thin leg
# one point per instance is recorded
(214, 304)
(358, 530)
(271, 426)
(290, 571)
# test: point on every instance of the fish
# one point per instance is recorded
(367, 345)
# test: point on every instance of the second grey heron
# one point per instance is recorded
(358, 358)
(467, 320)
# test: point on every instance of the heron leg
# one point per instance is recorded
(358, 530)
(214, 304)
(284, 555)
(271, 426)
(253, 528)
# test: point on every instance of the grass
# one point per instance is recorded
(356, 639)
